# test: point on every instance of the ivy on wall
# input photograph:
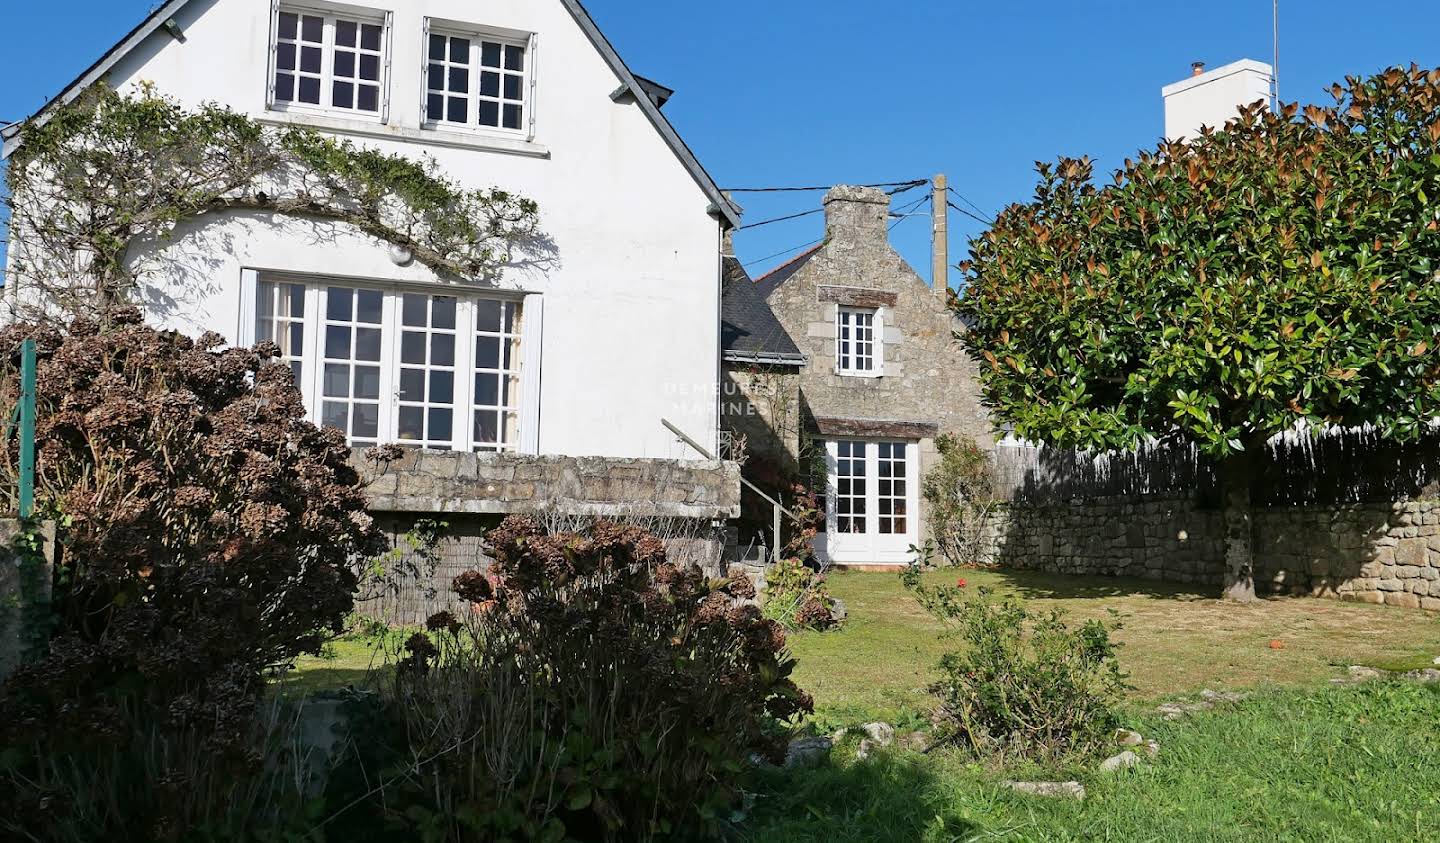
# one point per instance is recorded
(110, 170)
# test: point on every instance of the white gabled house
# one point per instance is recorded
(580, 355)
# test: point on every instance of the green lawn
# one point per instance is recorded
(1299, 760)
(1176, 639)
(1351, 763)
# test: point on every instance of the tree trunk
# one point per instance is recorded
(1235, 475)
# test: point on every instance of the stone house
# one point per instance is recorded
(883, 376)
(547, 386)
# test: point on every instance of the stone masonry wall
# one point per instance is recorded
(762, 404)
(680, 501)
(487, 484)
(1373, 553)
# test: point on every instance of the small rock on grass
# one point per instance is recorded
(916, 741)
(1058, 790)
(882, 734)
(1151, 748)
(1360, 673)
(866, 747)
(807, 752)
(1128, 737)
(1428, 674)
(1123, 761)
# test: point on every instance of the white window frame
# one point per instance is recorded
(527, 41)
(529, 334)
(331, 12)
(845, 361)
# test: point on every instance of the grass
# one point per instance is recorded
(1299, 760)
(1351, 763)
(1176, 639)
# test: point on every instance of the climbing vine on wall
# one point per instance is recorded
(110, 170)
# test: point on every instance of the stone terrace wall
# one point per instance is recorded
(1373, 553)
(488, 484)
(471, 493)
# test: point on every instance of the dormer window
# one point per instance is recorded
(328, 61)
(477, 79)
(857, 346)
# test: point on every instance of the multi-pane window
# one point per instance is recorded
(497, 376)
(427, 370)
(280, 318)
(891, 494)
(855, 345)
(328, 61)
(850, 487)
(399, 366)
(475, 81)
(352, 354)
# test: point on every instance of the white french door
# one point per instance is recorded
(871, 501)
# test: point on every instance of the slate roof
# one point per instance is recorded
(775, 277)
(749, 330)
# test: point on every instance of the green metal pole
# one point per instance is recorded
(27, 428)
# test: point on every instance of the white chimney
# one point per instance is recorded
(1213, 97)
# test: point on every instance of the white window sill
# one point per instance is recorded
(863, 375)
(406, 134)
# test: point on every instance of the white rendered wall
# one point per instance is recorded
(1214, 97)
(631, 300)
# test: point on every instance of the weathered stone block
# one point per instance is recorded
(1411, 552)
(1404, 601)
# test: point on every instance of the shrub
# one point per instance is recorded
(593, 691)
(960, 496)
(796, 596)
(1024, 684)
(207, 531)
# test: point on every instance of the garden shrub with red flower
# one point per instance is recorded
(207, 530)
(594, 691)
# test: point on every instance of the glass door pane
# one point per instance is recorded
(428, 336)
(850, 487)
(350, 378)
(891, 492)
(497, 375)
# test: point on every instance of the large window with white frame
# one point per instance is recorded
(477, 79)
(328, 58)
(857, 341)
(423, 369)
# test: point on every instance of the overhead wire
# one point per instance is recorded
(898, 188)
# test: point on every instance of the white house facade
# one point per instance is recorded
(581, 353)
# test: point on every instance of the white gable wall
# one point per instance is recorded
(631, 301)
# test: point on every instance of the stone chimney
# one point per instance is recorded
(857, 215)
(1214, 97)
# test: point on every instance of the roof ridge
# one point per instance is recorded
(800, 257)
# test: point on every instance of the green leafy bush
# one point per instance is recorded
(593, 691)
(1026, 685)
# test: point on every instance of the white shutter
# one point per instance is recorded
(532, 330)
(424, 73)
(270, 63)
(389, 46)
(532, 52)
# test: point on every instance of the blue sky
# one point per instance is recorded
(814, 92)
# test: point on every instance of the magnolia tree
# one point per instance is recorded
(1277, 274)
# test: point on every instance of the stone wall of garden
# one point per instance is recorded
(1369, 552)
(684, 502)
